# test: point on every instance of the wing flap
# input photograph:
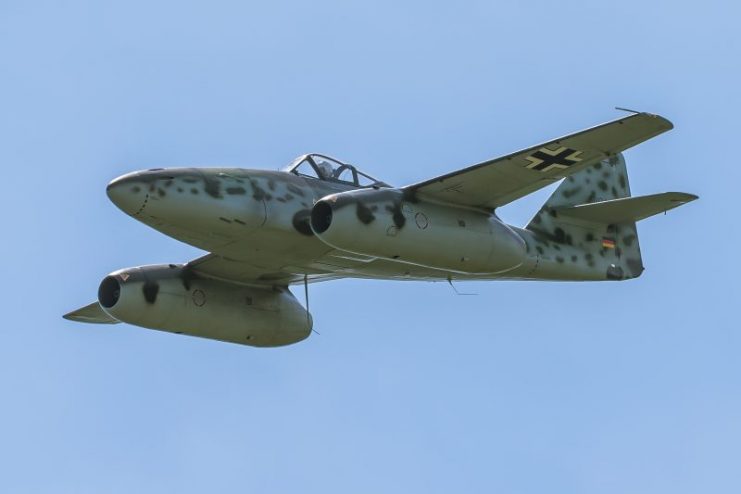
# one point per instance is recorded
(92, 313)
(496, 182)
(628, 209)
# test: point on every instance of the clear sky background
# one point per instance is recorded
(525, 388)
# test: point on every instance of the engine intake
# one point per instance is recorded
(321, 217)
(109, 292)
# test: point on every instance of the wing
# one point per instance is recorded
(223, 268)
(502, 180)
(217, 267)
(92, 313)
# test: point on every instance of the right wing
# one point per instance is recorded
(502, 180)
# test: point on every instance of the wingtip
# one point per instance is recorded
(664, 122)
(71, 316)
(685, 197)
(91, 313)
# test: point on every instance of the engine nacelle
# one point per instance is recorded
(171, 298)
(381, 223)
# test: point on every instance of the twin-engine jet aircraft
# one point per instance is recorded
(320, 219)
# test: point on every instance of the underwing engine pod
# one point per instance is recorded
(170, 298)
(380, 223)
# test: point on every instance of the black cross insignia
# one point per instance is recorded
(546, 159)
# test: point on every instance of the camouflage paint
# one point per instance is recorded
(262, 218)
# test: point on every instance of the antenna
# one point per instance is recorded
(627, 110)
(450, 282)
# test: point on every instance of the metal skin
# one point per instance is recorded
(264, 218)
(266, 230)
(374, 223)
(169, 298)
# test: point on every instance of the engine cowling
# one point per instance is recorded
(381, 223)
(170, 298)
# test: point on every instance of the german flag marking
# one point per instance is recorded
(608, 243)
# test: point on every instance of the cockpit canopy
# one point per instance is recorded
(331, 170)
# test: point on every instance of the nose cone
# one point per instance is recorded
(129, 193)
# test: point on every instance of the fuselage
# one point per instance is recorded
(263, 218)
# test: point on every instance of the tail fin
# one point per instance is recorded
(574, 240)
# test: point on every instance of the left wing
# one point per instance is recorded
(225, 269)
(217, 267)
(502, 180)
(92, 313)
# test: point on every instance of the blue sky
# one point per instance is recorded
(525, 388)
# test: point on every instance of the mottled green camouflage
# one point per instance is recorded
(571, 249)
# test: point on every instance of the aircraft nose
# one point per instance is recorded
(129, 193)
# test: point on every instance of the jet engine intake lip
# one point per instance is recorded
(321, 217)
(109, 292)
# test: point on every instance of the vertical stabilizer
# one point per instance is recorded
(572, 248)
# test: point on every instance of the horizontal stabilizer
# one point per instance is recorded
(628, 209)
(92, 313)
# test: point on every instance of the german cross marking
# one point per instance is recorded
(545, 160)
